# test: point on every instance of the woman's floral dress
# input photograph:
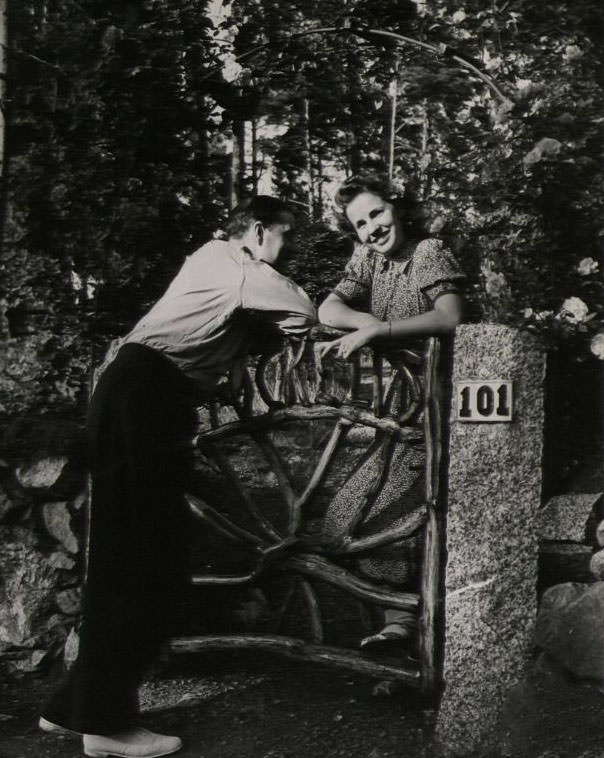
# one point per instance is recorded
(391, 289)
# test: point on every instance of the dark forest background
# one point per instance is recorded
(132, 127)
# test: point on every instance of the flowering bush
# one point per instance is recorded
(577, 325)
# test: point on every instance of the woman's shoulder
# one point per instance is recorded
(428, 246)
(432, 255)
(363, 251)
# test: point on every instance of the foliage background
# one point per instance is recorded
(132, 128)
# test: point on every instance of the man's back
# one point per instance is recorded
(199, 322)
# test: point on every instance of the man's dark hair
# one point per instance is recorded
(264, 208)
(406, 206)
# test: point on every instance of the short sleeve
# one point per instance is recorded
(355, 285)
(436, 270)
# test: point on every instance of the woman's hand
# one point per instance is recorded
(344, 346)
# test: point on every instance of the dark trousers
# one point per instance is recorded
(140, 428)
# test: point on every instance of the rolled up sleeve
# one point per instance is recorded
(276, 299)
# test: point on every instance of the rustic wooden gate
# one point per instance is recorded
(379, 396)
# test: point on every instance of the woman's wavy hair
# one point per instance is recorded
(406, 205)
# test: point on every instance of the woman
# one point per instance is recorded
(397, 286)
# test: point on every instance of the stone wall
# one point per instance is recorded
(42, 520)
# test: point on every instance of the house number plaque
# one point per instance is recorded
(480, 400)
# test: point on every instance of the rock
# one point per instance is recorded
(569, 628)
(600, 534)
(68, 601)
(558, 597)
(6, 504)
(549, 667)
(61, 560)
(27, 593)
(596, 565)
(13, 491)
(57, 520)
(42, 474)
(72, 644)
(80, 500)
(547, 147)
(29, 663)
(565, 517)
(20, 534)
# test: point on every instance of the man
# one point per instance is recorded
(140, 426)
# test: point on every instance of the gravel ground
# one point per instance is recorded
(270, 709)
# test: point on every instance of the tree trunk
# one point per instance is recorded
(3, 122)
(319, 185)
(305, 111)
(237, 164)
(393, 105)
(254, 149)
(425, 156)
(3, 69)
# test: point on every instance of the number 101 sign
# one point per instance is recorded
(479, 400)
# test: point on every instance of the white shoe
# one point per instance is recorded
(48, 726)
(136, 743)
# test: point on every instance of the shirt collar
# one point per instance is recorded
(403, 260)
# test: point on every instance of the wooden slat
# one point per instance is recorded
(272, 419)
(291, 647)
(318, 567)
(432, 557)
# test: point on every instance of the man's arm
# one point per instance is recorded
(335, 312)
(277, 300)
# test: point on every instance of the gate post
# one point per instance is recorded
(494, 489)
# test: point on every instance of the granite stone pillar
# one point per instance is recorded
(494, 488)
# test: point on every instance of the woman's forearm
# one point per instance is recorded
(335, 312)
(424, 325)
(443, 319)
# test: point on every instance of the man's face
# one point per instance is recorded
(375, 223)
(273, 239)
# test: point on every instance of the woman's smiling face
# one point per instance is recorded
(375, 223)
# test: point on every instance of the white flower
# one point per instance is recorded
(574, 310)
(597, 345)
(572, 52)
(493, 63)
(543, 315)
(529, 313)
(91, 285)
(587, 266)
(459, 16)
(76, 281)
